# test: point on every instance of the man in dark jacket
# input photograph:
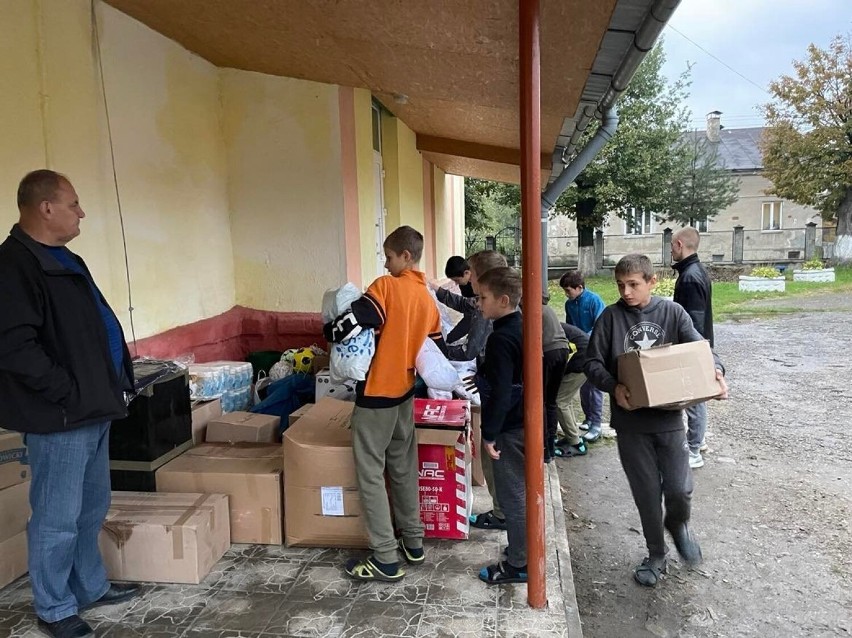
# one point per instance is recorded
(694, 291)
(64, 371)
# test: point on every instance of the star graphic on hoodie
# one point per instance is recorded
(646, 342)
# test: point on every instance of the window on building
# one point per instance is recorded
(638, 222)
(700, 225)
(771, 216)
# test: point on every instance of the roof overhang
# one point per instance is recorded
(449, 73)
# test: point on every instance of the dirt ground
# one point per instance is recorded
(772, 505)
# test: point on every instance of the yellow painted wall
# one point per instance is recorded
(403, 184)
(168, 147)
(367, 194)
(449, 218)
(283, 154)
(170, 161)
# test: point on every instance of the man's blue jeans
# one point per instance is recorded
(69, 496)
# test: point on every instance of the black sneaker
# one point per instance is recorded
(71, 627)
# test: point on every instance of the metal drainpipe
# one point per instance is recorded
(643, 42)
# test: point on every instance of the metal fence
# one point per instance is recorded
(736, 246)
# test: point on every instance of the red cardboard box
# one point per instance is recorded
(444, 464)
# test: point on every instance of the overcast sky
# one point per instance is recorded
(759, 39)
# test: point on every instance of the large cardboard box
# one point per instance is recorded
(297, 414)
(670, 377)
(444, 461)
(14, 510)
(202, 413)
(323, 506)
(164, 538)
(477, 476)
(13, 558)
(247, 427)
(13, 459)
(249, 473)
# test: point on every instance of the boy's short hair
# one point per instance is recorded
(635, 264)
(456, 266)
(503, 281)
(572, 279)
(485, 260)
(405, 238)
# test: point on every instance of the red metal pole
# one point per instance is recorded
(530, 124)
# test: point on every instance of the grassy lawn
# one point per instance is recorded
(727, 299)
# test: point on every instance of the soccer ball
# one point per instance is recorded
(302, 360)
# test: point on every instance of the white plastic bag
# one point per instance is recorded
(349, 359)
(435, 369)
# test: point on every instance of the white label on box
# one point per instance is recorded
(332, 501)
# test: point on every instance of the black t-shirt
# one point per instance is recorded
(467, 290)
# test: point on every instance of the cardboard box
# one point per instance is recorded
(13, 558)
(319, 362)
(296, 415)
(477, 476)
(444, 461)
(671, 377)
(247, 427)
(13, 459)
(323, 506)
(14, 510)
(164, 538)
(249, 473)
(202, 413)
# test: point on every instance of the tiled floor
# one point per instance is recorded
(262, 591)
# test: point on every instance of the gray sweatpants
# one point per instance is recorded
(696, 423)
(657, 466)
(512, 492)
(384, 439)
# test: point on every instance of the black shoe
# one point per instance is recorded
(117, 593)
(686, 545)
(71, 627)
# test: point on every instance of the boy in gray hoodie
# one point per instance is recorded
(651, 442)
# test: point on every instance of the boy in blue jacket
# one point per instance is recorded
(582, 309)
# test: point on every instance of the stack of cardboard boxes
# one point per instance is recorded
(14, 507)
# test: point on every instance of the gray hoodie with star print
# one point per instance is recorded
(622, 328)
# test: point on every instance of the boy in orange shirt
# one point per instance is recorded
(398, 306)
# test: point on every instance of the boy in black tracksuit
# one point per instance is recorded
(651, 442)
(503, 415)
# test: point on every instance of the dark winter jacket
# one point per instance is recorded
(500, 378)
(56, 371)
(694, 291)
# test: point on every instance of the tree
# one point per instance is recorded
(489, 208)
(703, 187)
(807, 147)
(642, 162)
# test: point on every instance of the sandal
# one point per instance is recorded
(368, 570)
(487, 520)
(412, 556)
(649, 573)
(502, 573)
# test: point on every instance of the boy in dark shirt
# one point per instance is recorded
(651, 442)
(503, 415)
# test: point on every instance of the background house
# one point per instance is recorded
(773, 229)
